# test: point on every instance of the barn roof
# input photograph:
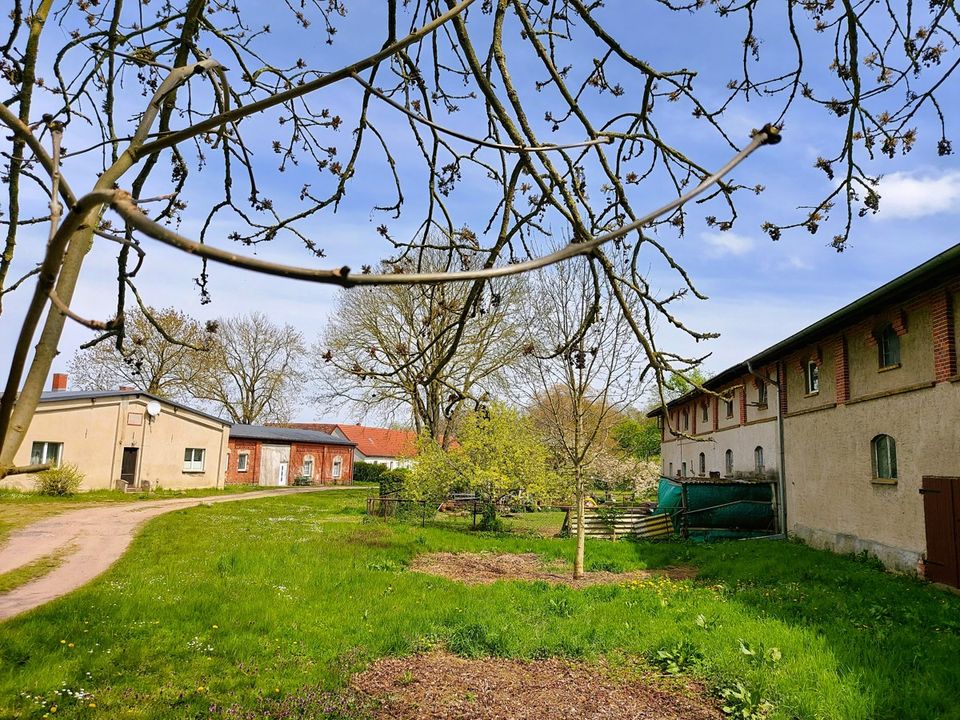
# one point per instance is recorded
(285, 435)
(60, 395)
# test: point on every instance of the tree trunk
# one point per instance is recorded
(581, 531)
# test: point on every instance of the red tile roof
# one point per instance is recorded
(371, 441)
(381, 442)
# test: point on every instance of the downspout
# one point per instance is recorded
(781, 456)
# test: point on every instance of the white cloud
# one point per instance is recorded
(726, 243)
(909, 195)
(796, 262)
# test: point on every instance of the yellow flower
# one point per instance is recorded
(276, 690)
(201, 689)
(216, 627)
(93, 705)
(53, 708)
(63, 642)
(69, 644)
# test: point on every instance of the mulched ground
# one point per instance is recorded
(442, 686)
(485, 568)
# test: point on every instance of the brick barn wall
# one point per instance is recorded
(252, 474)
(322, 462)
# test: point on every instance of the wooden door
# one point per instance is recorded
(128, 466)
(941, 517)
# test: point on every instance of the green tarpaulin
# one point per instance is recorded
(716, 510)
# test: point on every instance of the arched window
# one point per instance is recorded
(884, 457)
(888, 347)
(671, 469)
(758, 459)
(703, 464)
(728, 462)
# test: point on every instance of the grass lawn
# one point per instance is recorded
(241, 609)
(18, 509)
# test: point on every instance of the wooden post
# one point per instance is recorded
(684, 522)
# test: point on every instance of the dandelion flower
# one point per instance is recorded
(93, 705)
(63, 642)
(69, 644)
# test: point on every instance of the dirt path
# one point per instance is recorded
(100, 536)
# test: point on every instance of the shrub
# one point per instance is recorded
(62, 480)
(364, 472)
(392, 482)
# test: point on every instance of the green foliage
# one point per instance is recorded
(677, 659)
(59, 481)
(640, 438)
(744, 704)
(496, 453)
(393, 482)
(364, 472)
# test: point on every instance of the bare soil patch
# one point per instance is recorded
(485, 568)
(439, 685)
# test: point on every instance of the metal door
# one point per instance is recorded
(128, 466)
(941, 519)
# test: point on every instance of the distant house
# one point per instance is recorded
(857, 414)
(277, 456)
(124, 439)
(382, 446)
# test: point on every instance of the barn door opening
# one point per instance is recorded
(941, 518)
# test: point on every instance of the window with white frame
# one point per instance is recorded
(884, 457)
(307, 469)
(337, 467)
(728, 462)
(193, 459)
(42, 453)
(762, 394)
(728, 404)
(812, 377)
(243, 461)
(888, 347)
(758, 459)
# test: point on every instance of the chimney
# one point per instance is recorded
(59, 382)
(126, 388)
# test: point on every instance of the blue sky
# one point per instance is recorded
(760, 291)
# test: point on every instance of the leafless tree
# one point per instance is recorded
(586, 369)
(165, 353)
(527, 68)
(254, 373)
(427, 351)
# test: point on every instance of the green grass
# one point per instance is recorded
(257, 602)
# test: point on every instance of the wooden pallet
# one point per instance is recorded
(613, 523)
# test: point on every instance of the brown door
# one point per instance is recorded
(941, 514)
(128, 468)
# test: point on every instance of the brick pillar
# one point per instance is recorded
(944, 337)
(716, 414)
(693, 425)
(782, 392)
(841, 370)
(743, 404)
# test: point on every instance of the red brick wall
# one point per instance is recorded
(252, 474)
(782, 390)
(944, 337)
(742, 390)
(322, 454)
(841, 370)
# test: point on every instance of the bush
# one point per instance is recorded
(392, 482)
(364, 472)
(59, 481)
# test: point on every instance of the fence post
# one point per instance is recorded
(423, 513)
(474, 514)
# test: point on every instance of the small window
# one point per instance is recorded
(684, 470)
(337, 467)
(728, 462)
(705, 412)
(686, 420)
(671, 469)
(888, 347)
(884, 457)
(758, 459)
(243, 461)
(703, 464)
(813, 378)
(728, 404)
(762, 395)
(307, 470)
(193, 459)
(46, 452)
